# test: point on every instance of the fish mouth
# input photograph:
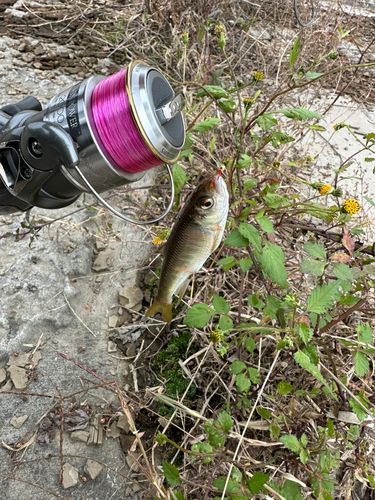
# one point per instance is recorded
(220, 186)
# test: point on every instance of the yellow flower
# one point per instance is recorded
(219, 28)
(258, 76)
(351, 206)
(185, 38)
(325, 189)
(338, 126)
(216, 336)
(248, 101)
(157, 241)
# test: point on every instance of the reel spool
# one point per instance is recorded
(120, 127)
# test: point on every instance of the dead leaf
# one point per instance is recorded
(341, 257)
(348, 242)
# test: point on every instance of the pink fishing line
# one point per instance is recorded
(116, 126)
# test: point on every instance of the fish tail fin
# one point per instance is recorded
(164, 308)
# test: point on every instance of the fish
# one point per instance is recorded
(196, 233)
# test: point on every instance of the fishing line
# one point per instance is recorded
(114, 121)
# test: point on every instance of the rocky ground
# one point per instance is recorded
(60, 293)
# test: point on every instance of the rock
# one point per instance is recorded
(70, 476)
(103, 261)
(131, 297)
(18, 422)
(3, 375)
(123, 423)
(81, 436)
(112, 321)
(100, 245)
(93, 469)
(26, 359)
(147, 295)
(132, 460)
(149, 278)
(18, 376)
(113, 431)
(126, 441)
(111, 346)
(130, 351)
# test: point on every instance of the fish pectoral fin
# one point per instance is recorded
(164, 308)
(182, 289)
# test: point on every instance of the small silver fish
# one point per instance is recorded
(195, 235)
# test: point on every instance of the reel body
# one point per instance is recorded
(49, 157)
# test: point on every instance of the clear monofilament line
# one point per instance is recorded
(116, 126)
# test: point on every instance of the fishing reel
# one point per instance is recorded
(100, 134)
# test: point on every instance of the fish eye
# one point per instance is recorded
(207, 203)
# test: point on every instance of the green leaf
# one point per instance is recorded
(235, 239)
(304, 440)
(366, 197)
(266, 121)
(225, 421)
(220, 304)
(361, 364)
(343, 272)
(264, 413)
(171, 474)
(357, 408)
(250, 345)
(330, 428)
(353, 433)
(237, 367)
(242, 383)
(312, 75)
(294, 53)
(250, 184)
(364, 333)
(299, 114)
(304, 361)
(305, 333)
(254, 375)
(291, 491)
(202, 448)
(198, 316)
(245, 161)
(179, 178)
(252, 234)
(232, 487)
(315, 250)
(274, 200)
(290, 442)
(264, 222)
(225, 323)
(217, 92)
(245, 264)
(284, 388)
(227, 263)
(255, 301)
(322, 297)
(206, 125)
(312, 266)
(216, 437)
(257, 482)
(272, 262)
(303, 456)
(312, 352)
(179, 495)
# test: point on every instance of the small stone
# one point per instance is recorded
(112, 321)
(136, 488)
(132, 461)
(81, 436)
(112, 372)
(147, 295)
(102, 262)
(18, 376)
(93, 469)
(70, 476)
(18, 422)
(100, 245)
(123, 423)
(3, 375)
(113, 431)
(130, 296)
(111, 346)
